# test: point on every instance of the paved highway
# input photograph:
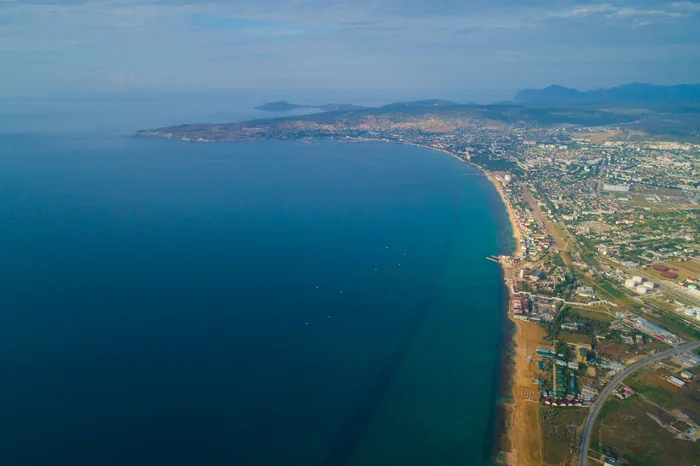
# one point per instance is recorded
(595, 407)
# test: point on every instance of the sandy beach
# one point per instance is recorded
(524, 429)
(517, 234)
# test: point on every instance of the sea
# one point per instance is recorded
(258, 303)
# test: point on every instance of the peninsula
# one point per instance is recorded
(604, 206)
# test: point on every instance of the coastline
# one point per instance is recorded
(517, 233)
(524, 448)
(525, 444)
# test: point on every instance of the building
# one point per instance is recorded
(653, 330)
(686, 359)
(624, 392)
(589, 392)
(677, 382)
(585, 291)
(687, 375)
(613, 366)
(571, 326)
(616, 188)
(634, 282)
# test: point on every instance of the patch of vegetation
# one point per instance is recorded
(561, 436)
(592, 315)
(625, 428)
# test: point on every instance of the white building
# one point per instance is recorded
(618, 188)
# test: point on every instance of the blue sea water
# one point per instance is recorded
(263, 303)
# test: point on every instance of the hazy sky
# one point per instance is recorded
(68, 45)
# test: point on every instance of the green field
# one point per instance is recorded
(595, 315)
(574, 337)
(661, 392)
(625, 429)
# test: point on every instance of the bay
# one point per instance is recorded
(264, 303)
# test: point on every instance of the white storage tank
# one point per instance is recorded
(637, 279)
(641, 289)
(629, 283)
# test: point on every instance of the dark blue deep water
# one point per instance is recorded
(155, 296)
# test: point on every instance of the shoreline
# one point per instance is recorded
(523, 447)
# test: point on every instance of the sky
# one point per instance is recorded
(57, 46)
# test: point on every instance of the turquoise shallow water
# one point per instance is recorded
(155, 297)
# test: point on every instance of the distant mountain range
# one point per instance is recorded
(283, 106)
(629, 94)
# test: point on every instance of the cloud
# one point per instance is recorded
(584, 11)
(632, 12)
(686, 6)
(366, 43)
(611, 11)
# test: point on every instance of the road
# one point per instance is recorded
(536, 211)
(596, 407)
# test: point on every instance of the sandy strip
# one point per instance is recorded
(524, 426)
